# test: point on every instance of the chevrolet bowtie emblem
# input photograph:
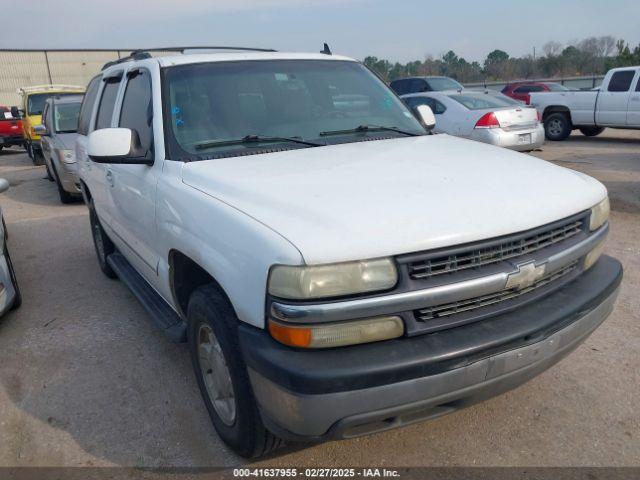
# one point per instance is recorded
(527, 275)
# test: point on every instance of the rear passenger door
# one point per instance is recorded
(132, 188)
(612, 106)
(633, 112)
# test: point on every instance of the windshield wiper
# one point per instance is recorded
(254, 139)
(369, 128)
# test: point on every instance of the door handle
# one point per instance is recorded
(109, 176)
(636, 98)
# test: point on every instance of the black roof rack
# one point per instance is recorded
(144, 53)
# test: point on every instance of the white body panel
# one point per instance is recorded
(373, 199)
(596, 107)
(237, 217)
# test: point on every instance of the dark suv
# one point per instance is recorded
(405, 86)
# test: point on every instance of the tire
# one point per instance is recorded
(17, 301)
(65, 197)
(235, 416)
(591, 131)
(102, 243)
(557, 126)
(29, 149)
(38, 157)
(49, 176)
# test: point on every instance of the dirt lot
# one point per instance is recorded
(85, 379)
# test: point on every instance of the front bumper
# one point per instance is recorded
(511, 139)
(69, 179)
(353, 391)
(13, 140)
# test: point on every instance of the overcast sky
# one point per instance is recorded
(399, 30)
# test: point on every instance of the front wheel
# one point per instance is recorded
(222, 374)
(557, 126)
(65, 197)
(103, 244)
(591, 131)
(17, 300)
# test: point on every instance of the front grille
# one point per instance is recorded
(494, 253)
(446, 310)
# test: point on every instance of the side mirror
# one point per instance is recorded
(116, 145)
(4, 185)
(41, 130)
(426, 116)
(15, 112)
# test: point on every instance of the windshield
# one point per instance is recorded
(212, 103)
(444, 83)
(66, 118)
(481, 100)
(557, 87)
(35, 101)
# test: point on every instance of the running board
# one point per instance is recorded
(161, 313)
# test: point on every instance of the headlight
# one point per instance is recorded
(592, 257)
(334, 280)
(337, 334)
(67, 156)
(599, 214)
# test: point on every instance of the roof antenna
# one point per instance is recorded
(326, 50)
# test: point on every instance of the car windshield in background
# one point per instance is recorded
(557, 87)
(482, 101)
(444, 83)
(66, 118)
(35, 101)
(214, 106)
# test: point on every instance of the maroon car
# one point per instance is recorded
(521, 90)
(10, 129)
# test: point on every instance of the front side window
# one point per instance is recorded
(621, 81)
(307, 100)
(65, 118)
(107, 102)
(137, 109)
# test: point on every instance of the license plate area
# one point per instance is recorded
(524, 139)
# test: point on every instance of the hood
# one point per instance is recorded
(387, 197)
(67, 141)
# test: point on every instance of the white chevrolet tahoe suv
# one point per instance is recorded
(616, 104)
(336, 269)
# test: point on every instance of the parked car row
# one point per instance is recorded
(30, 113)
(614, 104)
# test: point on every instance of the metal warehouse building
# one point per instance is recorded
(23, 68)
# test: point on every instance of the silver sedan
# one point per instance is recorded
(485, 116)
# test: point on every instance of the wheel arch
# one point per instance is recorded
(555, 109)
(185, 276)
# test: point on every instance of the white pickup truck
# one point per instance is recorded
(336, 269)
(616, 104)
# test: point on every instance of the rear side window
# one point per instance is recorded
(400, 86)
(621, 81)
(481, 101)
(436, 107)
(528, 89)
(137, 108)
(87, 106)
(107, 103)
(418, 85)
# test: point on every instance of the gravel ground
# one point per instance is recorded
(86, 380)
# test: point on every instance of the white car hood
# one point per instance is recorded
(373, 199)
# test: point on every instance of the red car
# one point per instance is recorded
(10, 129)
(520, 90)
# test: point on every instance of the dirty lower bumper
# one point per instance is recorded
(524, 140)
(348, 392)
